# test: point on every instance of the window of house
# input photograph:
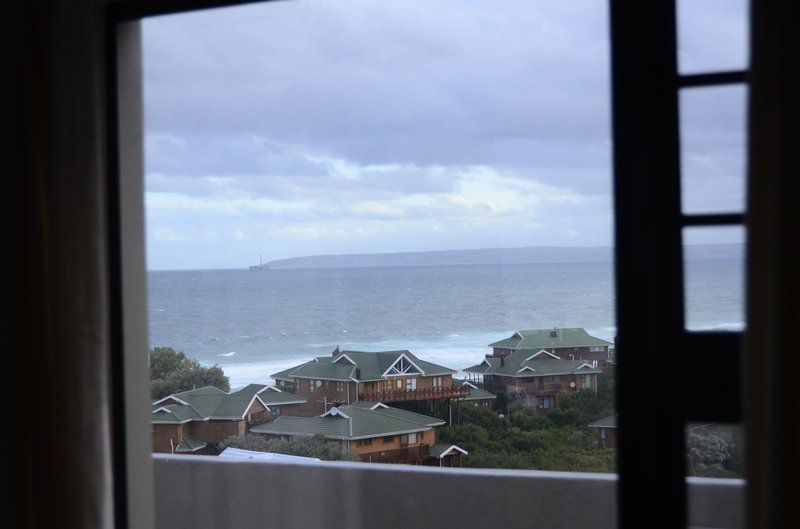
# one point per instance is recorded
(388, 439)
(339, 387)
(412, 438)
(364, 442)
(546, 402)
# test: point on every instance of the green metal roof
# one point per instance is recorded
(190, 444)
(542, 339)
(479, 394)
(212, 403)
(352, 422)
(358, 365)
(605, 422)
(522, 364)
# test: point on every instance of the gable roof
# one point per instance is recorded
(521, 363)
(541, 339)
(442, 451)
(362, 420)
(475, 393)
(213, 403)
(190, 444)
(359, 366)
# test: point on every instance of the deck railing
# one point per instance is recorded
(397, 395)
(410, 454)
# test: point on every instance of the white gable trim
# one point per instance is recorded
(451, 449)
(173, 397)
(342, 355)
(407, 359)
(265, 388)
(162, 408)
(379, 405)
(468, 383)
(487, 362)
(529, 368)
(540, 352)
(333, 412)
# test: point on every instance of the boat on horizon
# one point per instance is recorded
(260, 267)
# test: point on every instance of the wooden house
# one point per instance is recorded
(391, 377)
(536, 379)
(567, 344)
(373, 431)
(195, 421)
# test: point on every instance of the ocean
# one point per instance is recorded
(254, 324)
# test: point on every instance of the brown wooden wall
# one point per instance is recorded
(325, 391)
(215, 431)
(162, 433)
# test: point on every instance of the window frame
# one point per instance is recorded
(645, 84)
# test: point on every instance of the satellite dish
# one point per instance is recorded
(572, 384)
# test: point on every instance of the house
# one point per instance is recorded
(568, 344)
(477, 396)
(534, 378)
(192, 422)
(346, 377)
(606, 431)
(377, 433)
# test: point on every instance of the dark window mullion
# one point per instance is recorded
(713, 219)
(649, 262)
(712, 79)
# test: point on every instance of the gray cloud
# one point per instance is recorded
(317, 126)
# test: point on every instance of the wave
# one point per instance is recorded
(227, 354)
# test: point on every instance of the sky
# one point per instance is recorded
(310, 127)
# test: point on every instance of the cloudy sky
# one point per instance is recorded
(311, 127)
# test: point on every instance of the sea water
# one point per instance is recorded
(256, 323)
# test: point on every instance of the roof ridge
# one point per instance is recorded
(379, 413)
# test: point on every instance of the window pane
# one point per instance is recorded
(713, 35)
(713, 261)
(355, 201)
(715, 450)
(713, 149)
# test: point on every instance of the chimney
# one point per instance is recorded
(554, 332)
(336, 352)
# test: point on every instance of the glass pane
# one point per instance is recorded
(713, 35)
(713, 149)
(715, 470)
(713, 263)
(334, 187)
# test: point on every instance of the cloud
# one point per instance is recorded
(167, 234)
(358, 125)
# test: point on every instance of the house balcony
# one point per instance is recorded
(400, 395)
(408, 454)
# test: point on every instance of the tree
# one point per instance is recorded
(172, 371)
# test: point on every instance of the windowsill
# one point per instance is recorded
(206, 492)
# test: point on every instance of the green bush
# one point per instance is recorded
(172, 371)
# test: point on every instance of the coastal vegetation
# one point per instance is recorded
(559, 440)
(715, 450)
(172, 371)
(316, 446)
